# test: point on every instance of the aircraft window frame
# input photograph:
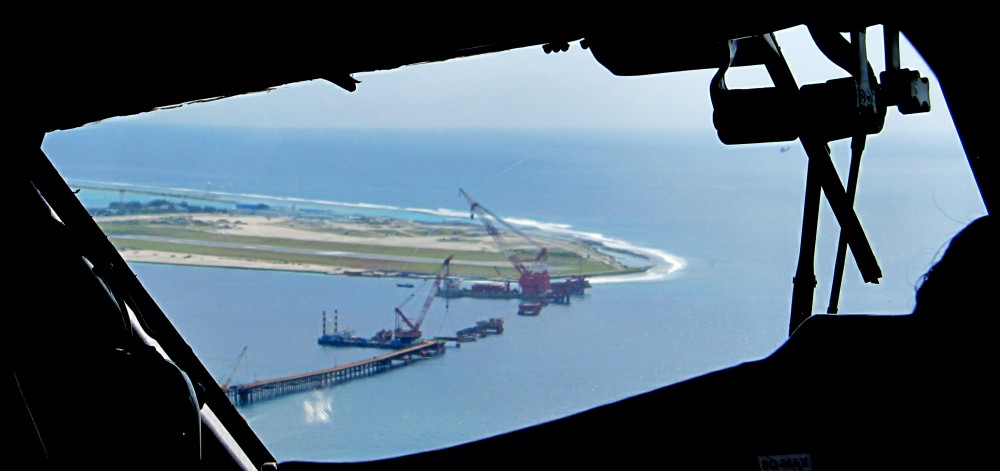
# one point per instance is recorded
(825, 244)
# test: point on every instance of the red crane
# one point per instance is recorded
(534, 280)
(411, 331)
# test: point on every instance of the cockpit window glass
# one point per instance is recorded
(555, 236)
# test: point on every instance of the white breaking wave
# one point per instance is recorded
(663, 264)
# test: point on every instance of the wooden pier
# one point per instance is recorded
(243, 394)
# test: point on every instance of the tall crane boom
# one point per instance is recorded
(232, 372)
(534, 281)
(412, 330)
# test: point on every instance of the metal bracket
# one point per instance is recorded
(903, 88)
(815, 115)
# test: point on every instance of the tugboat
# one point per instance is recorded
(529, 309)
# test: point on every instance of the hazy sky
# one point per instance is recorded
(528, 88)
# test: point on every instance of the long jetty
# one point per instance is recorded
(243, 394)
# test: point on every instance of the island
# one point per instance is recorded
(259, 237)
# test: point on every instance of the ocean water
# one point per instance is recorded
(719, 226)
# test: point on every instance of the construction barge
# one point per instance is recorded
(491, 326)
(557, 292)
(346, 338)
(385, 339)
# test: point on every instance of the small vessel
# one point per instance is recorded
(486, 290)
(346, 338)
(404, 285)
(529, 309)
(493, 325)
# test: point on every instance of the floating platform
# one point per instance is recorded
(559, 291)
(491, 326)
(380, 340)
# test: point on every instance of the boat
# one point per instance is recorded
(346, 338)
(559, 292)
(529, 309)
(382, 339)
(485, 290)
(493, 325)
(404, 285)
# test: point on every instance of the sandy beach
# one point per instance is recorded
(373, 233)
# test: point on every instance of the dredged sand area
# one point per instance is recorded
(369, 246)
